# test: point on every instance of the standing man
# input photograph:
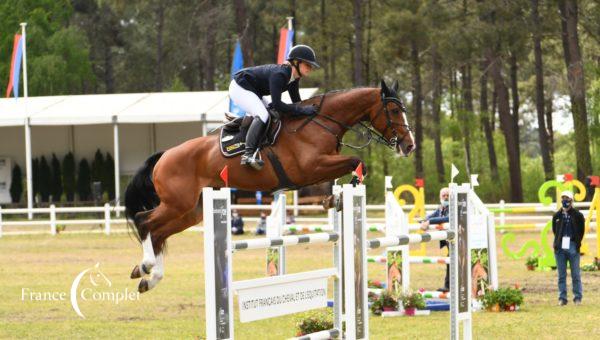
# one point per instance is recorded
(439, 216)
(568, 228)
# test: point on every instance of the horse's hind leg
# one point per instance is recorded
(147, 223)
(160, 235)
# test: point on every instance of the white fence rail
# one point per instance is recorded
(541, 214)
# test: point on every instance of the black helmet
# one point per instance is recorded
(303, 53)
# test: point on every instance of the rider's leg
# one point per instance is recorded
(250, 156)
(249, 102)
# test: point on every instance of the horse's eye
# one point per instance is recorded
(395, 111)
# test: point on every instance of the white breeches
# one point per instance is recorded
(249, 101)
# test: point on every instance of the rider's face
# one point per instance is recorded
(305, 69)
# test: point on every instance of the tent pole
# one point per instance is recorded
(117, 175)
(28, 169)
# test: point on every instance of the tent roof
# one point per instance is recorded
(163, 107)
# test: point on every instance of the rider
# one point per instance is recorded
(250, 85)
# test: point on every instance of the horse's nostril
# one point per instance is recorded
(410, 148)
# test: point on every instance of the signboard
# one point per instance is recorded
(463, 253)
(269, 301)
(220, 219)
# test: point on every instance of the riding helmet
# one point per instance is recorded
(303, 53)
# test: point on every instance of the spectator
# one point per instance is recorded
(261, 227)
(568, 228)
(290, 219)
(237, 223)
(439, 216)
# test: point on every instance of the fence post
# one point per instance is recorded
(106, 218)
(52, 219)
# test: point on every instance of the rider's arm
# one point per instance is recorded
(294, 91)
(277, 82)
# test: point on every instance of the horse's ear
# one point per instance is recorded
(395, 86)
(384, 87)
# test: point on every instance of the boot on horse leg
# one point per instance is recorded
(250, 156)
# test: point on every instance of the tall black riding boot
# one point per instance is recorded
(244, 126)
(250, 157)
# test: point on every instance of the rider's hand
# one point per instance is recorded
(309, 110)
(424, 225)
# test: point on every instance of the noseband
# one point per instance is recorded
(390, 124)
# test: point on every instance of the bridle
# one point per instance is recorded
(370, 133)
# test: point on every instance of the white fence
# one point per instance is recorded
(51, 222)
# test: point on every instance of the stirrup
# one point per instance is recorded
(254, 160)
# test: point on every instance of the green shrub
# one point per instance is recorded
(109, 176)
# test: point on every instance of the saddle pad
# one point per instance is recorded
(232, 142)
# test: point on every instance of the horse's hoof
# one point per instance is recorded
(136, 273)
(143, 286)
(328, 202)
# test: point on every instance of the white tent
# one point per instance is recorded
(115, 109)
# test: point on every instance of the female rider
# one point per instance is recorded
(250, 85)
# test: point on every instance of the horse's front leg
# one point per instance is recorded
(331, 167)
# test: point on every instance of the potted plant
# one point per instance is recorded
(490, 301)
(313, 321)
(385, 302)
(412, 301)
(532, 262)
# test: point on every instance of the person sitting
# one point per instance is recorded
(261, 227)
(251, 84)
(237, 223)
(439, 216)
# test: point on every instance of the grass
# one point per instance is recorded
(175, 309)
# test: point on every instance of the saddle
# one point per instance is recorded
(232, 142)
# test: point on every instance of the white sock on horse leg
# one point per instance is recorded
(149, 260)
(157, 272)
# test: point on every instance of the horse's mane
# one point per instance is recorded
(314, 98)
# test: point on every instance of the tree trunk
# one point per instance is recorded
(575, 75)
(160, 23)
(436, 83)
(494, 109)
(369, 41)
(539, 94)
(242, 27)
(514, 90)
(466, 112)
(507, 126)
(417, 104)
(210, 52)
(324, 51)
(484, 116)
(358, 43)
(549, 124)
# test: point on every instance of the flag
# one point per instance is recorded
(388, 182)
(358, 172)
(453, 173)
(225, 175)
(474, 181)
(15, 67)
(236, 65)
(286, 38)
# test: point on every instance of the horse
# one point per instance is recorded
(164, 196)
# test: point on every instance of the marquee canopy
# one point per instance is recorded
(163, 107)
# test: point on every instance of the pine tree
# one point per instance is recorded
(16, 186)
(109, 176)
(84, 181)
(56, 183)
(69, 183)
(45, 178)
(98, 168)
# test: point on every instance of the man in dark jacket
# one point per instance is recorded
(439, 216)
(568, 226)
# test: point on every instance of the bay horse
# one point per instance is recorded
(163, 198)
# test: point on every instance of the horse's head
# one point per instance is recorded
(390, 120)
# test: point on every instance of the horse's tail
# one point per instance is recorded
(140, 194)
